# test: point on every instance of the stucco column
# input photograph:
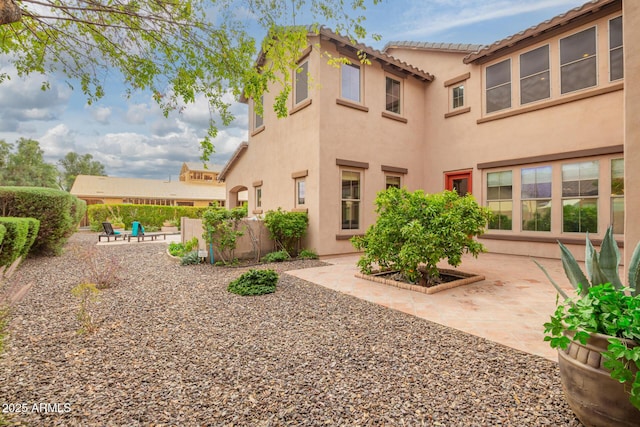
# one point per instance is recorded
(631, 30)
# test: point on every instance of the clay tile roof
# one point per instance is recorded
(559, 21)
(442, 47)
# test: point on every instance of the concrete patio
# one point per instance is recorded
(508, 307)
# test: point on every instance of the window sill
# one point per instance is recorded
(457, 112)
(542, 239)
(353, 105)
(257, 211)
(348, 236)
(303, 210)
(565, 99)
(301, 106)
(394, 116)
(257, 131)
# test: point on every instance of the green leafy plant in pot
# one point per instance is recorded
(597, 334)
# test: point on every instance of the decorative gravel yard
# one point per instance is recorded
(173, 347)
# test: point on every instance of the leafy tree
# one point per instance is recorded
(74, 164)
(418, 229)
(26, 166)
(175, 49)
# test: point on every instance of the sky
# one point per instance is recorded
(132, 138)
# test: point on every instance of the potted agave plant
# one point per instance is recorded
(597, 334)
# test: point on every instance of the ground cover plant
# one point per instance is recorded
(415, 231)
(255, 282)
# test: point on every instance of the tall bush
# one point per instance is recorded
(57, 211)
(415, 229)
(148, 215)
(286, 229)
(222, 229)
(18, 238)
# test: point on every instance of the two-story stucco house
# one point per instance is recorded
(539, 127)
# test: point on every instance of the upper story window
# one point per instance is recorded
(392, 100)
(499, 86)
(457, 96)
(258, 121)
(616, 65)
(392, 181)
(534, 75)
(301, 87)
(350, 88)
(578, 67)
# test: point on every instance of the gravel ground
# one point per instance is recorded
(173, 347)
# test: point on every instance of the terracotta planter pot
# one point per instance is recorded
(596, 398)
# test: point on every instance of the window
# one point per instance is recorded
(302, 82)
(534, 75)
(258, 197)
(536, 198)
(457, 96)
(257, 117)
(392, 181)
(393, 95)
(350, 200)
(351, 82)
(617, 195)
(580, 197)
(578, 61)
(499, 197)
(499, 86)
(616, 65)
(300, 192)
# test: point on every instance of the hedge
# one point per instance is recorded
(19, 236)
(59, 214)
(148, 215)
(3, 230)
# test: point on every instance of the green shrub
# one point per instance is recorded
(415, 229)
(15, 239)
(255, 282)
(277, 256)
(3, 230)
(152, 217)
(286, 228)
(32, 234)
(180, 249)
(222, 229)
(191, 258)
(307, 254)
(57, 211)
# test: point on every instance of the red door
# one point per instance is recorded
(459, 181)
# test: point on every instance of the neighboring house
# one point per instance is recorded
(533, 126)
(198, 186)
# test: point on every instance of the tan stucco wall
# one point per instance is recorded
(631, 25)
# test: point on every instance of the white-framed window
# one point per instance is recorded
(617, 195)
(616, 58)
(578, 61)
(393, 90)
(258, 120)
(498, 86)
(258, 197)
(350, 82)
(301, 77)
(534, 75)
(351, 181)
(457, 96)
(301, 192)
(392, 181)
(535, 197)
(580, 197)
(500, 199)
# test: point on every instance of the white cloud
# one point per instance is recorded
(100, 114)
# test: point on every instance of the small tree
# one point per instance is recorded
(286, 229)
(418, 229)
(222, 228)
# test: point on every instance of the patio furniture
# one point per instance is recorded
(109, 232)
